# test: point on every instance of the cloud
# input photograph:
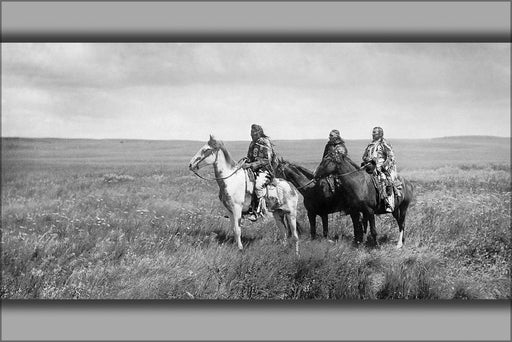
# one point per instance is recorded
(189, 90)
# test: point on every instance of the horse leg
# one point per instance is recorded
(278, 216)
(325, 224)
(312, 224)
(291, 221)
(236, 215)
(364, 223)
(371, 218)
(358, 231)
(400, 219)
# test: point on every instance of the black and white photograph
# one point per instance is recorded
(256, 171)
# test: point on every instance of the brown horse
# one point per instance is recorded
(321, 197)
(361, 196)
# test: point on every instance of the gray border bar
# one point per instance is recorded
(260, 321)
(376, 21)
(256, 21)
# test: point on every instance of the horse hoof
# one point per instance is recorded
(357, 244)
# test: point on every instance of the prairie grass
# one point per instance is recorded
(126, 220)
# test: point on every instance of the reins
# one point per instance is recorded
(302, 186)
(362, 167)
(240, 164)
(315, 179)
(351, 172)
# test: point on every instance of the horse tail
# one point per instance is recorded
(410, 190)
(300, 229)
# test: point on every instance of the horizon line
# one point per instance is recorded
(237, 140)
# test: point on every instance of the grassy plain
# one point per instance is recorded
(112, 219)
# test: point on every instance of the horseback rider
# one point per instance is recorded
(380, 160)
(259, 158)
(335, 144)
(334, 147)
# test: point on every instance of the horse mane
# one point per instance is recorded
(351, 162)
(220, 145)
(308, 173)
(339, 158)
(227, 155)
(303, 170)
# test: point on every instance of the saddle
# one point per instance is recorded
(387, 187)
(333, 182)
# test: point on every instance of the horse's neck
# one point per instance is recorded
(222, 168)
(345, 167)
(351, 179)
(299, 179)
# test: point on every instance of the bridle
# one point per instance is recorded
(216, 151)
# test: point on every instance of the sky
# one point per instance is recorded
(187, 91)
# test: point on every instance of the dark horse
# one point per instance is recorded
(361, 195)
(320, 197)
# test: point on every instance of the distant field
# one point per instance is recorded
(126, 219)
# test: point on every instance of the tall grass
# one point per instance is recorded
(141, 227)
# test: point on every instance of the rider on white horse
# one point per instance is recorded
(259, 159)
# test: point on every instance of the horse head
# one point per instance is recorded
(299, 176)
(207, 154)
(335, 162)
(286, 169)
(279, 171)
(328, 165)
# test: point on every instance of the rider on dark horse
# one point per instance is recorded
(335, 144)
(380, 161)
(259, 158)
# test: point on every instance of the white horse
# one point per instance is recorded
(235, 192)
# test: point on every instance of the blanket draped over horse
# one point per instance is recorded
(235, 190)
(360, 195)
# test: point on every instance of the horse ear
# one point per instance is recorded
(213, 142)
